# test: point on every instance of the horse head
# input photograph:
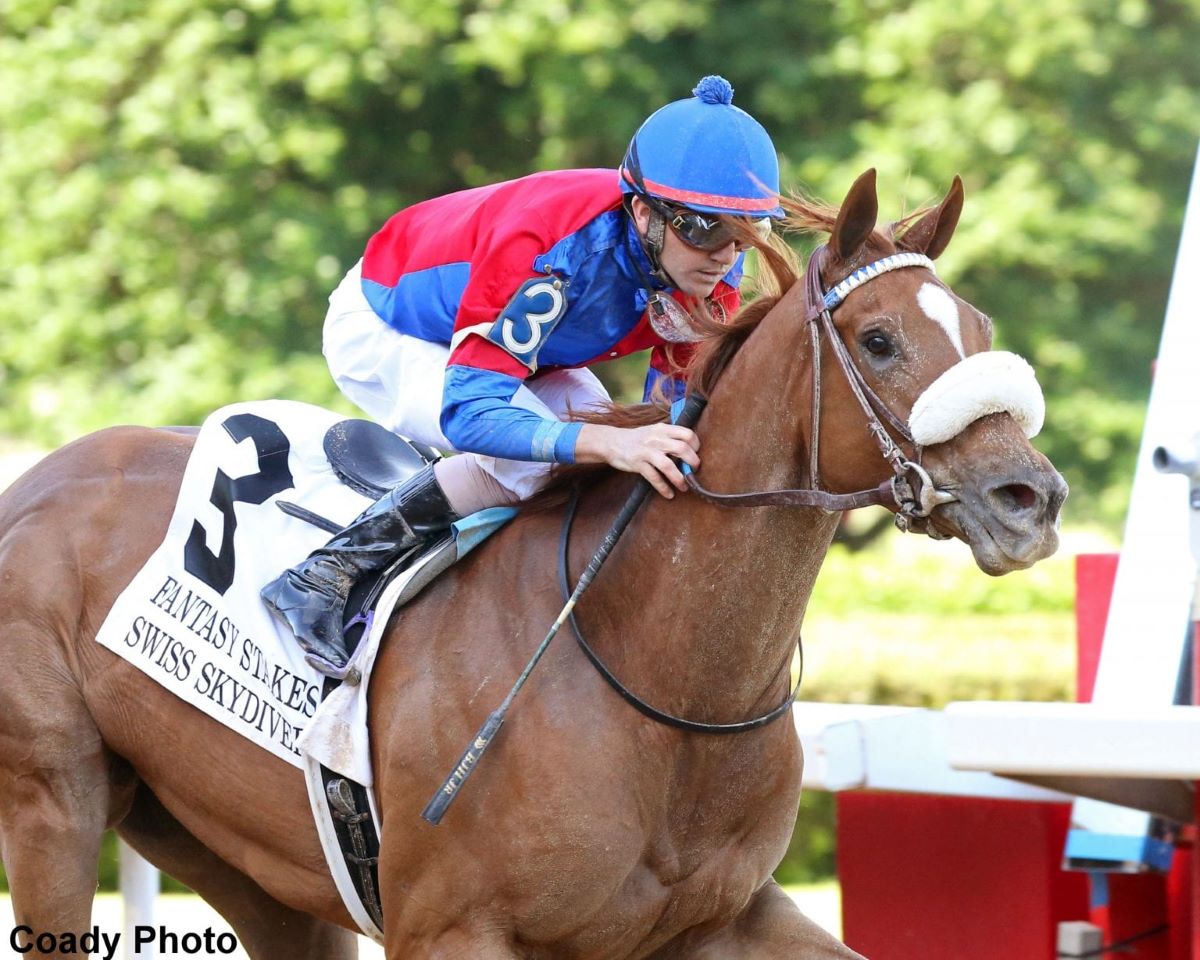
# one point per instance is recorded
(961, 414)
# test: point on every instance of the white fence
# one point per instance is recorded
(139, 889)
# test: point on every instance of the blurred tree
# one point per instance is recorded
(183, 181)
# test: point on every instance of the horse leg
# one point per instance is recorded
(56, 797)
(771, 928)
(266, 929)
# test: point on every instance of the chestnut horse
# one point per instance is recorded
(589, 831)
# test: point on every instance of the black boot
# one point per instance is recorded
(311, 597)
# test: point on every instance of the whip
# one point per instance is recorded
(440, 802)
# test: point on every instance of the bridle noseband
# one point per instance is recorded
(910, 488)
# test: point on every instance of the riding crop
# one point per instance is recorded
(437, 806)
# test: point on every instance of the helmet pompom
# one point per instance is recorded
(714, 89)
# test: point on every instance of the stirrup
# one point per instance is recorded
(346, 673)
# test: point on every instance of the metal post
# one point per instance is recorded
(139, 889)
(1194, 938)
(1186, 460)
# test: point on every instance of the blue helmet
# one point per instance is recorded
(705, 154)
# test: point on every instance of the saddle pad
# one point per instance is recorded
(191, 618)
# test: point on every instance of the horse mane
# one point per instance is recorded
(779, 268)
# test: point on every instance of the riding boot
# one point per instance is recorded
(311, 597)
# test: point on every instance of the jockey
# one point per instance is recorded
(471, 319)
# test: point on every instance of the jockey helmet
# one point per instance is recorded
(705, 154)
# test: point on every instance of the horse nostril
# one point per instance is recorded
(1041, 497)
(1016, 497)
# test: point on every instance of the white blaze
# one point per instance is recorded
(940, 307)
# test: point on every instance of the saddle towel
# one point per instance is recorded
(192, 620)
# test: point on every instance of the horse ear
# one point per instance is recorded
(931, 234)
(856, 218)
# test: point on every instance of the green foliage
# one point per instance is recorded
(1074, 124)
(915, 575)
(183, 182)
(930, 660)
(914, 622)
(812, 854)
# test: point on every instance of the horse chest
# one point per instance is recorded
(712, 849)
(653, 866)
(679, 890)
(711, 853)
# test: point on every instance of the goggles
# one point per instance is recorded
(708, 232)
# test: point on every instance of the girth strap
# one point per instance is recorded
(357, 833)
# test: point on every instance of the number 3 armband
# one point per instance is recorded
(530, 316)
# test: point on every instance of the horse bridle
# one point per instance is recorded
(910, 487)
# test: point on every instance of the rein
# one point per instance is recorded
(910, 488)
(629, 696)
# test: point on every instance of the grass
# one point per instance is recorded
(928, 660)
(915, 622)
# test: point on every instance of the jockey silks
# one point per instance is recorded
(518, 278)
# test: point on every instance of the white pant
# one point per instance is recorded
(398, 380)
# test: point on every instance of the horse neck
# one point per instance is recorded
(724, 590)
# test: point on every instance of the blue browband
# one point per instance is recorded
(897, 260)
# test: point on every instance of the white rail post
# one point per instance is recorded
(139, 890)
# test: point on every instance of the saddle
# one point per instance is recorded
(371, 459)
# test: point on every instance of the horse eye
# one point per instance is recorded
(877, 345)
